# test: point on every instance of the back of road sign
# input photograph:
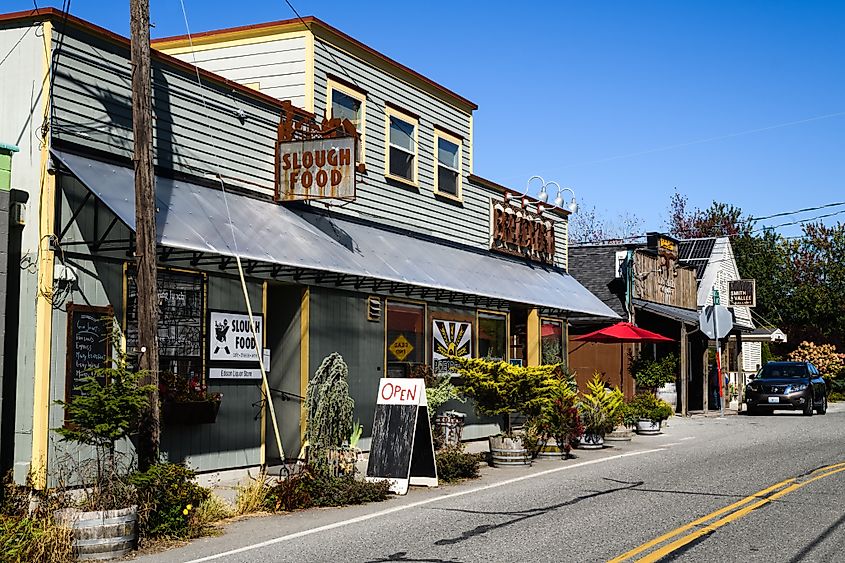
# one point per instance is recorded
(402, 450)
(723, 316)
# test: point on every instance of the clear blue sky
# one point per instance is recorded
(610, 98)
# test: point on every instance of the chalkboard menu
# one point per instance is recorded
(402, 451)
(88, 343)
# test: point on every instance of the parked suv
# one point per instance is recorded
(787, 385)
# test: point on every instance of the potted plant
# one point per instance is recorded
(599, 410)
(439, 390)
(186, 400)
(106, 409)
(558, 420)
(655, 374)
(502, 389)
(650, 412)
(625, 422)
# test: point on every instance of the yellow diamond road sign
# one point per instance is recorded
(401, 348)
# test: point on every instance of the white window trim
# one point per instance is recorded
(331, 86)
(440, 134)
(407, 118)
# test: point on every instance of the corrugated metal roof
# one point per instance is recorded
(194, 217)
(687, 316)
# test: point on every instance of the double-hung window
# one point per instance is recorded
(447, 154)
(401, 146)
(347, 103)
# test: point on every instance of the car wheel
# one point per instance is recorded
(752, 411)
(823, 409)
(808, 407)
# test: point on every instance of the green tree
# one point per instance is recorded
(329, 411)
(718, 220)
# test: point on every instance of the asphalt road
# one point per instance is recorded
(693, 485)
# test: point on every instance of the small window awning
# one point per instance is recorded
(194, 217)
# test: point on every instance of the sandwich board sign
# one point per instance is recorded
(402, 450)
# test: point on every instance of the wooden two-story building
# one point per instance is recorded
(380, 243)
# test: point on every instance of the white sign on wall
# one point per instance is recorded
(450, 338)
(240, 372)
(230, 337)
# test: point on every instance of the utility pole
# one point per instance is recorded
(145, 227)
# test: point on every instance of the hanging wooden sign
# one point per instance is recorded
(402, 450)
(520, 232)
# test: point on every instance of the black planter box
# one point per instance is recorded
(177, 413)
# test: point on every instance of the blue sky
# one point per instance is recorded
(742, 102)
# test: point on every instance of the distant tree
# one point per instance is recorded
(590, 225)
(718, 220)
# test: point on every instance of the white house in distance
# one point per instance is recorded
(715, 265)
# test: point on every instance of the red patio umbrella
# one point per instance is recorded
(621, 333)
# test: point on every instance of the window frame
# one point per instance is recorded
(389, 112)
(441, 134)
(334, 85)
(398, 301)
(492, 313)
(564, 336)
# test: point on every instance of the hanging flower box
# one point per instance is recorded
(177, 413)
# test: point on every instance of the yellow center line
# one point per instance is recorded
(658, 540)
(669, 548)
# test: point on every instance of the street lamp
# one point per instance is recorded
(573, 205)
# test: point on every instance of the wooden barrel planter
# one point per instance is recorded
(508, 452)
(100, 534)
(550, 450)
(619, 435)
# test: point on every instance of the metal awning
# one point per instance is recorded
(193, 217)
(687, 316)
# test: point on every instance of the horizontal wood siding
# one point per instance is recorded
(196, 130)
(278, 66)
(339, 324)
(234, 440)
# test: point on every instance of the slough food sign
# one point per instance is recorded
(314, 159)
(317, 169)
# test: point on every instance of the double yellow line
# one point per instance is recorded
(726, 515)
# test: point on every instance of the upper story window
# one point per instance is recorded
(345, 102)
(447, 155)
(401, 145)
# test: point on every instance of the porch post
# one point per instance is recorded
(684, 370)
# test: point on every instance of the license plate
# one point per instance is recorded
(774, 399)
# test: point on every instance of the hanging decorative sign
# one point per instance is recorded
(230, 337)
(742, 293)
(520, 232)
(314, 160)
(402, 449)
(449, 339)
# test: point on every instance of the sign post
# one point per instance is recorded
(402, 449)
(716, 322)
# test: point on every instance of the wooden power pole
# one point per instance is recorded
(145, 227)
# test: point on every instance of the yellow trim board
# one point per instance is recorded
(309, 72)
(231, 39)
(532, 337)
(43, 307)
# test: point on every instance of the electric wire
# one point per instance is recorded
(258, 344)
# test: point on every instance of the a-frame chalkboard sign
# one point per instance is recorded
(402, 451)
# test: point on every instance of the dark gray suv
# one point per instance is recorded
(787, 385)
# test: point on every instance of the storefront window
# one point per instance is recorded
(492, 336)
(552, 348)
(405, 337)
(180, 323)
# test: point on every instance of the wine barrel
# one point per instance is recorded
(100, 534)
(508, 452)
